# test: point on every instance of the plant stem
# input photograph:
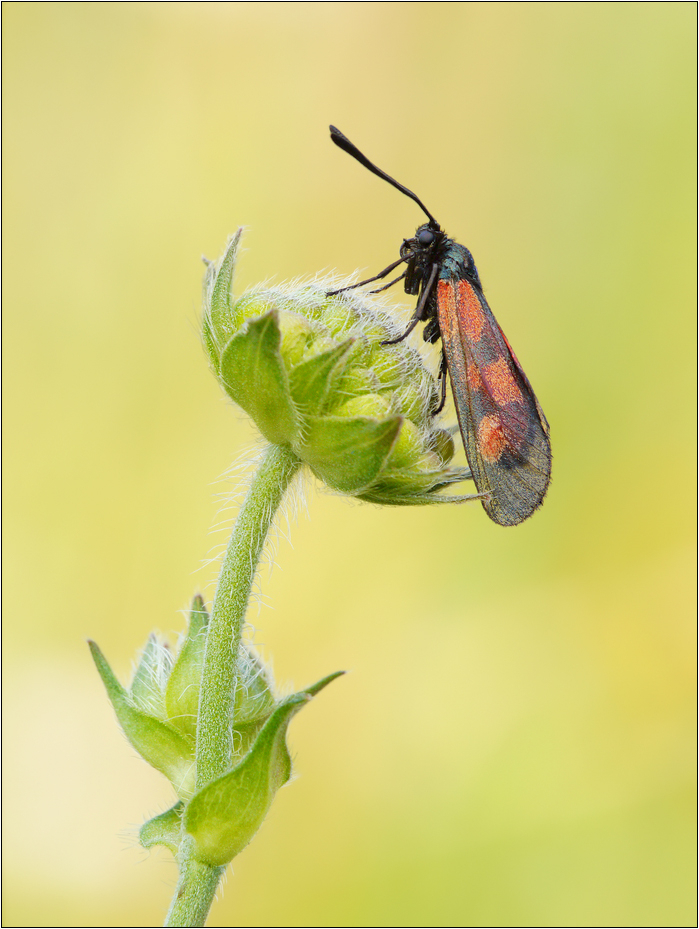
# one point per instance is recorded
(238, 571)
(198, 882)
(195, 891)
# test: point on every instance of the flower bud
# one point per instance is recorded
(313, 372)
(158, 714)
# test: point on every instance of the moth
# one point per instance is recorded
(505, 433)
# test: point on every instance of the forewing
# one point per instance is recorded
(505, 432)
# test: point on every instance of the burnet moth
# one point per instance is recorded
(504, 430)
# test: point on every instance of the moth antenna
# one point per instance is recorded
(344, 143)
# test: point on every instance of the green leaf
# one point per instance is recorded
(254, 376)
(224, 816)
(158, 743)
(165, 829)
(182, 692)
(311, 381)
(348, 452)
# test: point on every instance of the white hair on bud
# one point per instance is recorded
(151, 695)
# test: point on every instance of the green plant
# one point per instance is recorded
(327, 395)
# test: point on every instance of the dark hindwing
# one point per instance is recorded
(505, 432)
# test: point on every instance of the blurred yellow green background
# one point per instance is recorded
(514, 745)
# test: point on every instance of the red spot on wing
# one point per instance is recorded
(470, 311)
(460, 309)
(491, 438)
(504, 430)
(446, 301)
(500, 383)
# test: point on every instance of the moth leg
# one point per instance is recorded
(418, 316)
(443, 378)
(390, 283)
(378, 277)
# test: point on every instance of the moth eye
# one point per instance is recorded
(426, 237)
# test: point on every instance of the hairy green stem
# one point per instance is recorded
(195, 891)
(197, 885)
(230, 604)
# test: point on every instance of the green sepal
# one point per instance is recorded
(207, 332)
(311, 381)
(219, 319)
(165, 829)
(454, 476)
(405, 481)
(418, 499)
(158, 743)
(254, 376)
(223, 817)
(316, 688)
(348, 452)
(184, 683)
